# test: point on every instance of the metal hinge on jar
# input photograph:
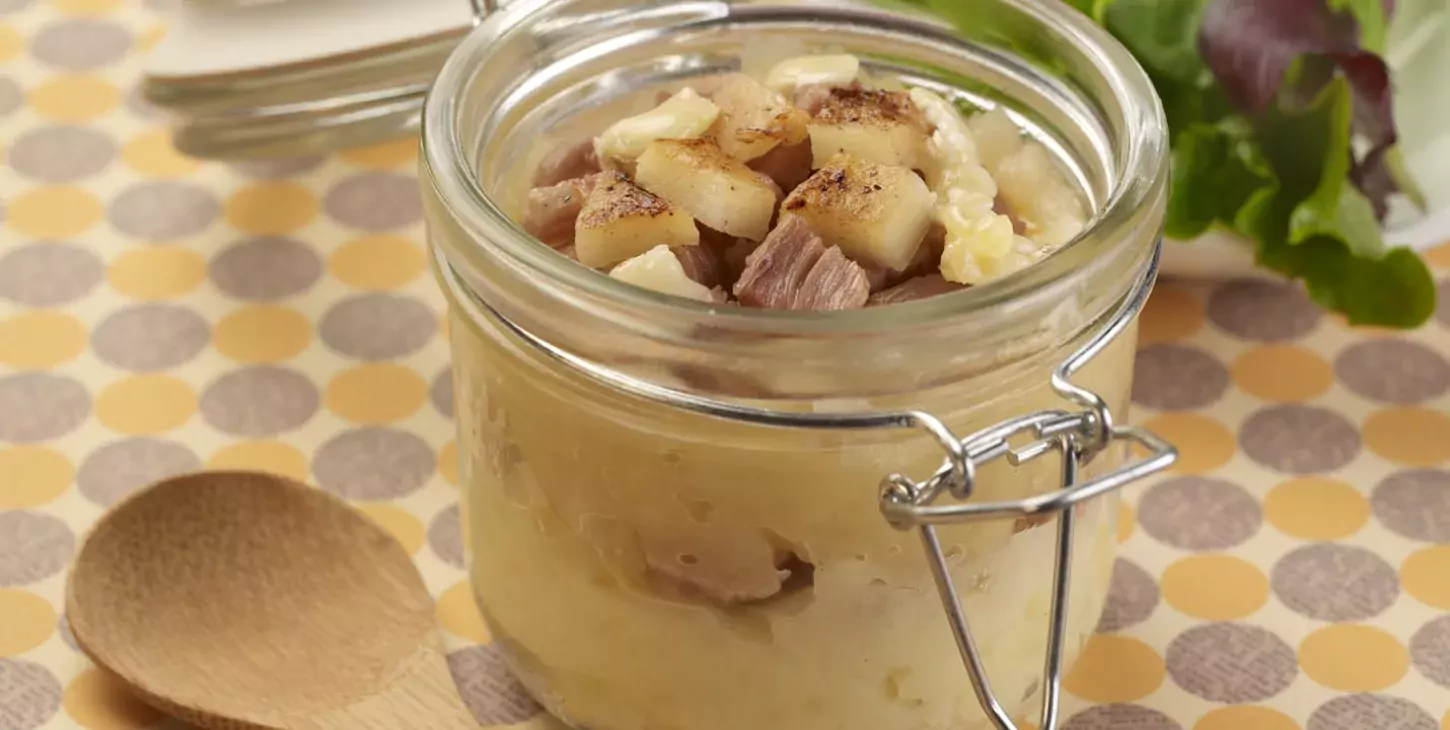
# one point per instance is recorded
(1077, 437)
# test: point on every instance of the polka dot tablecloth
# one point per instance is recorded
(160, 314)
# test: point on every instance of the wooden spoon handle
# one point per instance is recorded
(422, 696)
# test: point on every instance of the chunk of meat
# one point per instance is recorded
(793, 269)
(552, 210)
(567, 163)
(776, 270)
(702, 264)
(834, 283)
(721, 565)
(921, 287)
(787, 165)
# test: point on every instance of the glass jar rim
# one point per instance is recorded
(1138, 179)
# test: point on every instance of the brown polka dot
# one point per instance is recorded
(1172, 313)
(1393, 370)
(162, 210)
(278, 168)
(1120, 717)
(1199, 513)
(441, 392)
(41, 406)
(1227, 662)
(488, 688)
(150, 337)
(373, 464)
(1131, 599)
(116, 470)
(1333, 582)
(1415, 503)
(1369, 712)
(11, 96)
(61, 153)
(1177, 378)
(33, 547)
(1299, 439)
(1262, 310)
(1442, 303)
(80, 43)
(264, 269)
(259, 401)
(375, 201)
(48, 274)
(446, 536)
(1430, 651)
(29, 694)
(377, 326)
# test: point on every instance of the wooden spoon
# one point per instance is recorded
(245, 600)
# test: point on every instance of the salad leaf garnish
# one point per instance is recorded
(1281, 122)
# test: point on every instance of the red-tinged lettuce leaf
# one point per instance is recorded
(1259, 49)
(1312, 224)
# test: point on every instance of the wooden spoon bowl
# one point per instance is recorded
(247, 600)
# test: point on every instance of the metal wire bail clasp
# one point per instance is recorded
(1077, 436)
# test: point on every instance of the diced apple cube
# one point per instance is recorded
(884, 127)
(686, 115)
(874, 213)
(754, 119)
(621, 220)
(658, 270)
(695, 176)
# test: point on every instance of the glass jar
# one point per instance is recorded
(680, 514)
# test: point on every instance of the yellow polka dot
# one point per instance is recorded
(1353, 658)
(54, 212)
(29, 621)
(384, 155)
(1445, 721)
(33, 475)
(86, 7)
(145, 404)
(448, 462)
(1126, 521)
(1316, 508)
(263, 333)
(39, 339)
(11, 43)
(458, 614)
(1426, 576)
(1215, 587)
(1203, 443)
(74, 98)
(157, 273)
(151, 153)
(269, 456)
(271, 208)
(376, 393)
(1283, 373)
(97, 700)
(404, 527)
(1245, 717)
(1414, 436)
(1115, 669)
(378, 262)
(1171, 314)
(1439, 255)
